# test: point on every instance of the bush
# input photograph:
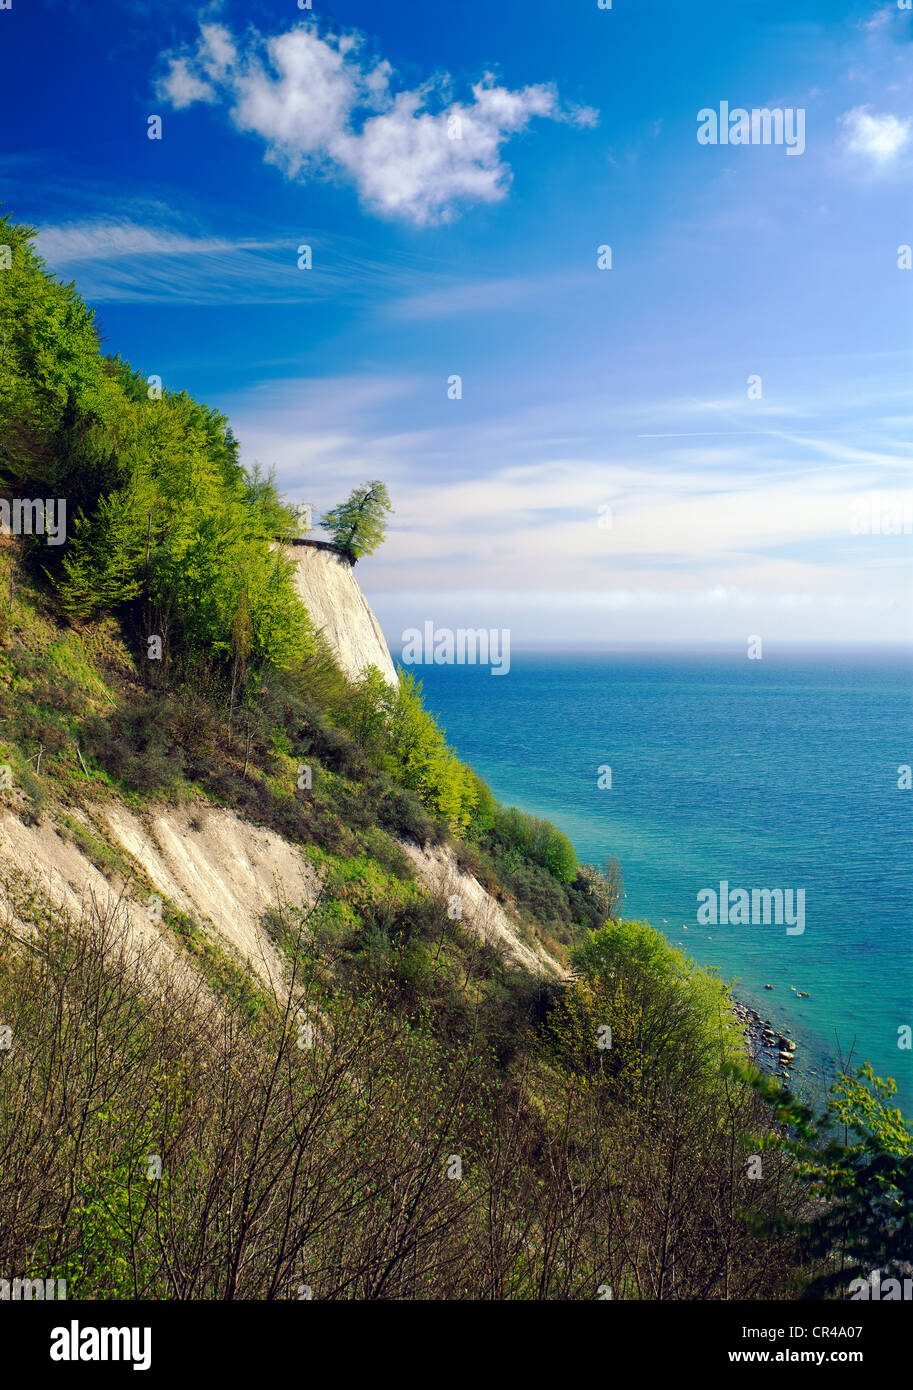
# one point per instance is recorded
(537, 839)
(401, 811)
(682, 1019)
(135, 745)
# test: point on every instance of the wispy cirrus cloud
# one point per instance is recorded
(566, 539)
(731, 502)
(448, 298)
(324, 108)
(72, 243)
(146, 258)
(121, 260)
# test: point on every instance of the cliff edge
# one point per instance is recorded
(326, 585)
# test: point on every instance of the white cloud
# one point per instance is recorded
(78, 242)
(217, 51)
(155, 260)
(879, 138)
(182, 88)
(701, 541)
(880, 19)
(121, 260)
(474, 296)
(323, 108)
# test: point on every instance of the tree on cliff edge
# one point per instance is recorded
(359, 525)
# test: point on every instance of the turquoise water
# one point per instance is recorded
(779, 773)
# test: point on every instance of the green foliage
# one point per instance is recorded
(660, 1005)
(102, 566)
(368, 709)
(159, 509)
(856, 1160)
(207, 529)
(601, 889)
(403, 738)
(536, 839)
(484, 811)
(574, 1035)
(358, 525)
(52, 369)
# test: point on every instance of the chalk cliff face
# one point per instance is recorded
(222, 872)
(327, 587)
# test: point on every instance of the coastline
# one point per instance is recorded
(771, 1050)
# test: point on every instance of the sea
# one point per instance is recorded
(705, 769)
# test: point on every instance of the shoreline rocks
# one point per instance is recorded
(769, 1050)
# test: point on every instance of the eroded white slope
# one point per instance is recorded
(326, 584)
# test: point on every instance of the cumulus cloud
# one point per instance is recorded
(879, 138)
(324, 108)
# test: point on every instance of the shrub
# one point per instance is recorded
(537, 839)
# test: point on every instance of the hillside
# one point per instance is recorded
(222, 871)
(122, 900)
(288, 1000)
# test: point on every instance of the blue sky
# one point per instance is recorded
(608, 474)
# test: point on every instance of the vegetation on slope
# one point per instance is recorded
(413, 1116)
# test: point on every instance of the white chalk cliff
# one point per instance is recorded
(326, 584)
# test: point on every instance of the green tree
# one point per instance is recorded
(358, 525)
(483, 816)
(103, 564)
(54, 383)
(679, 1008)
(856, 1160)
(425, 763)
